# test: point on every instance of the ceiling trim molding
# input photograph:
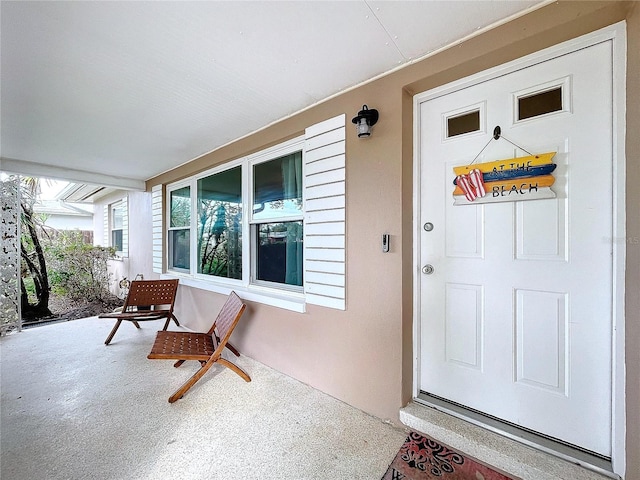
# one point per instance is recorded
(22, 167)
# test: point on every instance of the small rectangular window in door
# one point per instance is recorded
(542, 100)
(540, 103)
(465, 123)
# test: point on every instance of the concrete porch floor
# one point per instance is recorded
(73, 408)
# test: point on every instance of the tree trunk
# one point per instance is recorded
(38, 272)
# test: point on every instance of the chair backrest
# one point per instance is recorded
(147, 293)
(226, 321)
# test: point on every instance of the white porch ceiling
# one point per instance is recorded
(115, 93)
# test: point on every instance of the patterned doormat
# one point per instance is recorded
(422, 458)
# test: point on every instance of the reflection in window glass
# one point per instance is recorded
(219, 225)
(277, 187)
(180, 207)
(117, 216)
(279, 258)
(179, 228)
(179, 255)
(116, 240)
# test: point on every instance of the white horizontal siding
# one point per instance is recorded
(325, 164)
(325, 241)
(326, 278)
(325, 290)
(327, 228)
(325, 214)
(105, 226)
(125, 226)
(325, 126)
(156, 213)
(325, 203)
(321, 266)
(325, 190)
(325, 301)
(326, 254)
(329, 177)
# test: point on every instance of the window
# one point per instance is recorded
(179, 229)
(543, 100)
(465, 123)
(277, 221)
(219, 224)
(540, 103)
(223, 243)
(271, 225)
(116, 226)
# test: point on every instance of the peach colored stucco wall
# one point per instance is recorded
(364, 355)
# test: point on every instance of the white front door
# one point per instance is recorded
(516, 313)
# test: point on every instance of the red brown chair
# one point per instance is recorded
(147, 300)
(205, 348)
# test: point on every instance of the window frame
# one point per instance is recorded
(172, 188)
(194, 223)
(111, 221)
(566, 86)
(254, 223)
(248, 282)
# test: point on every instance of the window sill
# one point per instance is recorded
(267, 296)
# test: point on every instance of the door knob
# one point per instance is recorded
(427, 269)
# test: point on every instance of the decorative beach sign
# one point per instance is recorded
(509, 180)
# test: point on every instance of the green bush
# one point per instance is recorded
(79, 270)
(30, 287)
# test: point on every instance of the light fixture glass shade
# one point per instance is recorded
(365, 119)
(363, 128)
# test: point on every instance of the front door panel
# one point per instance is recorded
(516, 315)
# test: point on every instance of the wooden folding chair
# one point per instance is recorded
(147, 300)
(206, 348)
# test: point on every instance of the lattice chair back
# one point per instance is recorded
(227, 319)
(143, 294)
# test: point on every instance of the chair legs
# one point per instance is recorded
(115, 329)
(113, 332)
(233, 349)
(172, 317)
(178, 394)
(235, 368)
(119, 321)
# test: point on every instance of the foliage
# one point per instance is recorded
(79, 270)
(32, 253)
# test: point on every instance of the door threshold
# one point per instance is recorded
(510, 451)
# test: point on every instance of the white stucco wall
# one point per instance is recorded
(139, 259)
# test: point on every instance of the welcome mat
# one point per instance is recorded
(422, 458)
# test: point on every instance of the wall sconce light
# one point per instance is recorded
(365, 120)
